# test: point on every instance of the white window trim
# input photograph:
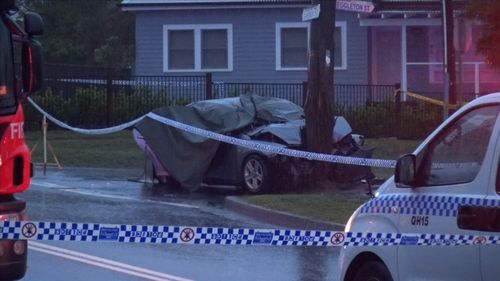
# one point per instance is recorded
(197, 28)
(281, 25)
(343, 41)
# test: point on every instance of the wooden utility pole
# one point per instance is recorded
(449, 57)
(320, 96)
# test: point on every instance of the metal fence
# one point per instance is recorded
(105, 98)
(290, 91)
(71, 71)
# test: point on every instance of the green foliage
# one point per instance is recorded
(418, 121)
(51, 102)
(87, 107)
(90, 32)
(415, 121)
(131, 105)
(487, 12)
(88, 101)
(92, 106)
(371, 120)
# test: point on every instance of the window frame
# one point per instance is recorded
(278, 28)
(9, 69)
(197, 31)
(497, 179)
(281, 25)
(425, 154)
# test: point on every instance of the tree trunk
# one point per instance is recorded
(320, 95)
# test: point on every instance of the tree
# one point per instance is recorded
(90, 32)
(487, 12)
(319, 102)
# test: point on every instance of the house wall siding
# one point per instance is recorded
(253, 43)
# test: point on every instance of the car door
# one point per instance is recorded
(486, 218)
(452, 171)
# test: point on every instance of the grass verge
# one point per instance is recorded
(333, 208)
(120, 151)
(116, 150)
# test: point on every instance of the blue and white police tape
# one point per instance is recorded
(266, 147)
(275, 148)
(102, 131)
(154, 234)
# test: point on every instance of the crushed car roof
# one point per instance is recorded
(177, 150)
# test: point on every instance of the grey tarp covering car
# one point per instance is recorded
(186, 156)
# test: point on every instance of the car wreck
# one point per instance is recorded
(193, 160)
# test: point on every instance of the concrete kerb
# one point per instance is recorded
(279, 218)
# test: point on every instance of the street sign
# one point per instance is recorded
(355, 6)
(310, 13)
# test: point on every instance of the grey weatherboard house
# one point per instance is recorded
(238, 41)
(265, 41)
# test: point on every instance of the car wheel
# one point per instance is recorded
(372, 271)
(255, 174)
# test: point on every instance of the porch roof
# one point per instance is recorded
(383, 8)
(189, 4)
(411, 8)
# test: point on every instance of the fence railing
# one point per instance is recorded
(102, 100)
(71, 70)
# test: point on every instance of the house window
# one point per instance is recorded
(189, 48)
(214, 49)
(181, 49)
(292, 46)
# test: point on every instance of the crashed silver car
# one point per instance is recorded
(193, 161)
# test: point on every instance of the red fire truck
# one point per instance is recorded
(20, 75)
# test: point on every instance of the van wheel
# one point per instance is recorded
(254, 174)
(372, 271)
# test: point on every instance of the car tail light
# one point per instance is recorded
(20, 247)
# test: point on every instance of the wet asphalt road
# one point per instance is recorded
(107, 196)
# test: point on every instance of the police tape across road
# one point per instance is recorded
(153, 234)
(270, 148)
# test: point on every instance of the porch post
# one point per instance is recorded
(449, 56)
(404, 60)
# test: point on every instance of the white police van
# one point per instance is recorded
(449, 185)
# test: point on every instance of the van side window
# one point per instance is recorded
(456, 154)
(498, 179)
